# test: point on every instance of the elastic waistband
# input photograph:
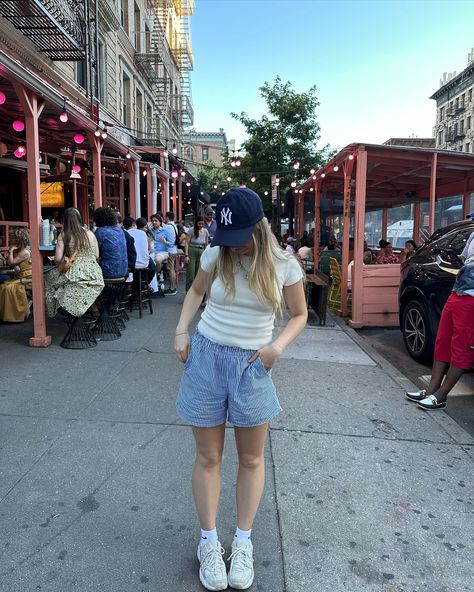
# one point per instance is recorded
(191, 246)
(231, 350)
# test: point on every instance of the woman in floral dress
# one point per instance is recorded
(76, 289)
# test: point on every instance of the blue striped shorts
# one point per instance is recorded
(220, 384)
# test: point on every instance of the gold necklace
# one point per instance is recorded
(241, 266)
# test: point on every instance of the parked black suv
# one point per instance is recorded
(425, 285)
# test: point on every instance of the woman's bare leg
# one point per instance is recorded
(251, 476)
(207, 473)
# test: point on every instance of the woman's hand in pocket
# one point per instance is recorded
(268, 355)
(182, 346)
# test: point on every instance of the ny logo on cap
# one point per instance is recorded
(226, 216)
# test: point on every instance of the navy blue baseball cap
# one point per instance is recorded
(237, 213)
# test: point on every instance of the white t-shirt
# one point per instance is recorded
(243, 321)
(141, 247)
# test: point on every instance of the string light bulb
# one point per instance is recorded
(351, 157)
(312, 171)
(103, 135)
(229, 179)
(253, 179)
(165, 153)
(296, 165)
(79, 139)
(18, 126)
(128, 156)
(3, 98)
(183, 173)
(174, 150)
(97, 132)
(323, 175)
(63, 118)
(174, 174)
(336, 168)
(293, 183)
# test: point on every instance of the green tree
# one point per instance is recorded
(288, 134)
(212, 178)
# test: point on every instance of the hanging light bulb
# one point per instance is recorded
(18, 126)
(76, 168)
(174, 150)
(128, 156)
(277, 182)
(3, 98)
(293, 183)
(336, 168)
(265, 192)
(323, 175)
(97, 132)
(237, 162)
(232, 163)
(223, 193)
(188, 184)
(64, 116)
(296, 166)
(314, 177)
(20, 152)
(253, 179)
(79, 138)
(103, 135)
(312, 171)
(174, 174)
(183, 173)
(229, 179)
(351, 157)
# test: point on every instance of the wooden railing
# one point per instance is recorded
(5, 230)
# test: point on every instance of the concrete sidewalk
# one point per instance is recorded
(364, 491)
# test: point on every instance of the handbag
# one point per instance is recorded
(66, 265)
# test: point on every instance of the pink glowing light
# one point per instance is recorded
(63, 118)
(174, 174)
(3, 98)
(79, 138)
(18, 126)
(76, 168)
(20, 152)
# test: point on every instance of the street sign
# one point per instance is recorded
(274, 189)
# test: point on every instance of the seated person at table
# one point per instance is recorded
(410, 248)
(369, 256)
(164, 238)
(76, 289)
(110, 237)
(142, 245)
(305, 252)
(386, 255)
(14, 306)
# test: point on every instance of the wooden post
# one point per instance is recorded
(466, 200)
(174, 198)
(154, 186)
(149, 192)
(434, 164)
(384, 223)
(165, 194)
(357, 279)
(416, 222)
(348, 165)
(96, 145)
(301, 215)
(134, 191)
(32, 108)
(178, 216)
(317, 222)
(122, 195)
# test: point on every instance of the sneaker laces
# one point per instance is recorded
(211, 559)
(241, 557)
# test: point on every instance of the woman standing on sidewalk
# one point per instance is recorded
(227, 373)
(196, 241)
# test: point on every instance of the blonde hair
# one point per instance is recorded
(262, 276)
(21, 238)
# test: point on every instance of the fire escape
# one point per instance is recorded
(167, 67)
(56, 27)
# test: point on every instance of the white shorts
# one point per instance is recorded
(162, 255)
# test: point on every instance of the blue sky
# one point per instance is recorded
(375, 63)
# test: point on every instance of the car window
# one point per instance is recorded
(458, 242)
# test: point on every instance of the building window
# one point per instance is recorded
(149, 119)
(139, 111)
(126, 100)
(147, 39)
(468, 147)
(137, 25)
(124, 15)
(205, 153)
(468, 123)
(470, 94)
(440, 138)
(102, 74)
(461, 126)
(441, 114)
(80, 73)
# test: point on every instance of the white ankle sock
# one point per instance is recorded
(242, 535)
(208, 536)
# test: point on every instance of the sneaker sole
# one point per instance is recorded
(413, 398)
(434, 408)
(242, 586)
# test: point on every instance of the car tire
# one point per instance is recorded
(417, 329)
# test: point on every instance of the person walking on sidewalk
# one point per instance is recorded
(170, 263)
(196, 241)
(454, 346)
(227, 372)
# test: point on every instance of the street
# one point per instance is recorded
(389, 344)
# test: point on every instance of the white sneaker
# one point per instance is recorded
(241, 565)
(416, 395)
(212, 573)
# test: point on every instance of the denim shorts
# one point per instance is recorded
(219, 384)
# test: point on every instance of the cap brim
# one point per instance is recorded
(235, 237)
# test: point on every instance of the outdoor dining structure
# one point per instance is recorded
(365, 178)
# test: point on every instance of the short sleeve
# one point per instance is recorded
(294, 273)
(209, 258)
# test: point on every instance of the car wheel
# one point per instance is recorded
(417, 332)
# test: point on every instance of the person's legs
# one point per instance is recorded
(207, 473)
(192, 268)
(251, 475)
(437, 374)
(171, 269)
